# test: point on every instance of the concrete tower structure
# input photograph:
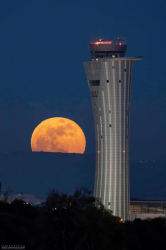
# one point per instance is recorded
(109, 77)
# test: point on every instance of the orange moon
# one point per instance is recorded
(58, 134)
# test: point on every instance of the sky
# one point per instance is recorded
(43, 45)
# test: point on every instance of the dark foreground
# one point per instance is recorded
(77, 222)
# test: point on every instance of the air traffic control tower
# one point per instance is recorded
(109, 77)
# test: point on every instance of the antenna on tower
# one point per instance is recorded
(120, 41)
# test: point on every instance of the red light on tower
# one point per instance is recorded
(98, 152)
(124, 151)
(102, 42)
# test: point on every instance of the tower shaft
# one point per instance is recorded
(109, 81)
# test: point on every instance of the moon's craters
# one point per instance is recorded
(58, 135)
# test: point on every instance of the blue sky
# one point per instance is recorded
(43, 45)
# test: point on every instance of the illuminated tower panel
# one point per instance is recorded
(109, 79)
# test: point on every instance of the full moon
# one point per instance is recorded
(58, 134)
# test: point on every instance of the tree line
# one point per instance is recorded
(75, 222)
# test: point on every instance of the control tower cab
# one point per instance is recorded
(107, 49)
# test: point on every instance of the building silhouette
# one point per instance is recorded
(109, 78)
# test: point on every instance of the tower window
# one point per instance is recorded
(94, 82)
(113, 67)
(109, 125)
(107, 80)
(101, 136)
(119, 80)
(94, 93)
(110, 111)
(125, 70)
(109, 203)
